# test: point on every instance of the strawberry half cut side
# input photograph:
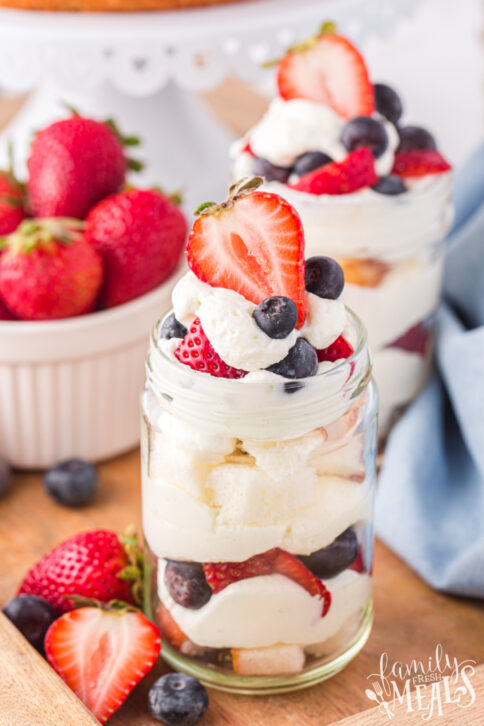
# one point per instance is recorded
(102, 654)
(328, 69)
(195, 350)
(253, 244)
(340, 177)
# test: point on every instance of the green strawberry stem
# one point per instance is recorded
(328, 27)
(112, 606)
(240, 189)
(134, 571)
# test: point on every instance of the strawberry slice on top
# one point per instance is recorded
(330, 70)
(253, 243)
(355, 172)
(419, 162)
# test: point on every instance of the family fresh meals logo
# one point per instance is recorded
(425, 687)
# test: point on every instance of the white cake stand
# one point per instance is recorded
(144, 70)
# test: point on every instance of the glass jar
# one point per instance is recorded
(257, 517)
(392, 251)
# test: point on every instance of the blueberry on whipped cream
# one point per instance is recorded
(250, 302)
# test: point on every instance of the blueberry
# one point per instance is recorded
(72, 483)
(276, 316)
(186, 584)
(177, 699)
(324, 277)
(387, 102)
(300, 362)
(310, 161)
(365, 131)
(4, 477)
(270, 172)
(31, 615)
(293, 386)
(336, 557)
(389, 185)
(415, 137)
(172, 328)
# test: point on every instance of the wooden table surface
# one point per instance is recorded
(411, 619)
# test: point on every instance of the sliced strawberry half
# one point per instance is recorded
(419, 162)
(195, 350)
(343, 177)
(291, 566)
(337, 350)
(253, 243)
(102, 654)
(220, 575)
(328, 69)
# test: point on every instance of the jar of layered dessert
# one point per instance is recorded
(257, 514)
(258, 458)
(371, 191)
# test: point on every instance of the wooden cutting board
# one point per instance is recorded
(411, 619)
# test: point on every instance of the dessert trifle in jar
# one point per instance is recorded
(372, 192)
(258, 457)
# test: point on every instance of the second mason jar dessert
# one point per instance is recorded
(258, 458)
(372, 192)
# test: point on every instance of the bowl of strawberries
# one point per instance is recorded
(86, 264)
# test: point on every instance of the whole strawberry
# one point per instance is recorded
(49, 271)
(73, 164)
(11, 203)
(140, 234)
(96, 564)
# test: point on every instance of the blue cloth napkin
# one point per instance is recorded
(430, 500)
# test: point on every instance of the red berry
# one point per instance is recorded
(328, 69)
(5, 313)
(419, 162)
(291, 566)
(140, 234)
(89, 564)
(221, 574)
(49, 271)
(102, 655)
(415, 340)
(253, 244)
(337, 350)
(12, 210)
(343, 177)
(195, 350)
(73, 164)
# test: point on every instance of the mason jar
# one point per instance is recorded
(392, 250)
(257, 517)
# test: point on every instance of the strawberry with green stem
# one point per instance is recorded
(97, 564)
(48, 270)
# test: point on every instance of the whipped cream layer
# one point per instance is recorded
(291, 128)
(263, 611)
(250, 503)
(368, 224)
(227, 319)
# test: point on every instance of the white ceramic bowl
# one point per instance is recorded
(71, 387)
